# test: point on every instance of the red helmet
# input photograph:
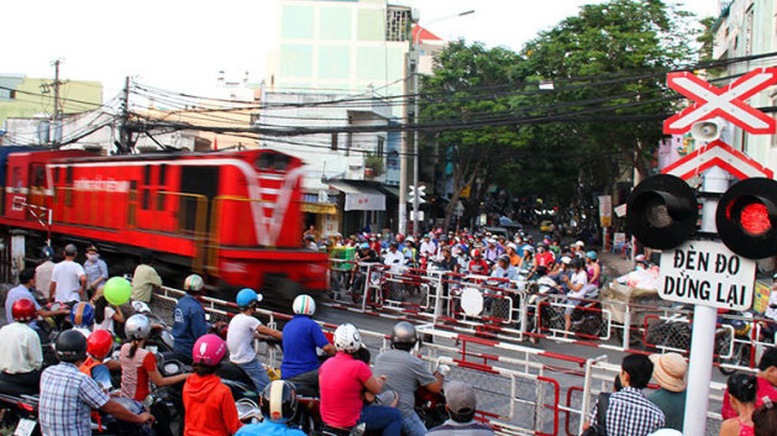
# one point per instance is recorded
(23, 310)
(209, 350)
(476, 253)
(99, 343)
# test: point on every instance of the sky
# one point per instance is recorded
(181, 45)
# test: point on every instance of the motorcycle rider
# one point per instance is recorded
(477, 265)
(576, 283)
(67, 395)
(394, 258)
(278, 403)
(240, 337)
(98, 346)
(301, 337)
(405, 373)
(209, 404)
(138, 365)
(342, 380)
(96, 270)
(82, 318)
(189, 319)
(593, 268)
(22, 356)
(24, 291)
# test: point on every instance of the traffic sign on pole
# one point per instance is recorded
(708, 273)
(727, 102)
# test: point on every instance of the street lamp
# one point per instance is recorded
(412, 88)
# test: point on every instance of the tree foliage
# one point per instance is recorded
(607, 66)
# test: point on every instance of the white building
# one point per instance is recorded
(746, 28)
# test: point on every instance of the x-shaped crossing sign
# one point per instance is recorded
(727, 102)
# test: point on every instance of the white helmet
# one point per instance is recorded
(348, 338)
(304, 305)
(137, 327)
(193, 283)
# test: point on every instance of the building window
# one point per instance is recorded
(381, 145)
(398, 22)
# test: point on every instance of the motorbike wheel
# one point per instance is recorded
(634, 336)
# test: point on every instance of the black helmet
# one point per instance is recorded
(504, 258)
(403, 336)
(278, 401)
(71, 346)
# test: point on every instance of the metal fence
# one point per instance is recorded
(521, 390)
(531, 310)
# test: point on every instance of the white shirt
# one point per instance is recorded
(396, 260)
(67, 275)
(21, 349)
(578, 278)
(43, 278)
(429, 248)
(240, 338)
(107, 323)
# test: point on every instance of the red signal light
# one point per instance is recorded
(754, 219)
(747, 218)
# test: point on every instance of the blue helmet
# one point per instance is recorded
(82, 315)
(364, 246)
(246, 297)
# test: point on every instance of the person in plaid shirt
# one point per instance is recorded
(630, 413)
(67, 396)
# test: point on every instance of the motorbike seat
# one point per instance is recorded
(8, 387)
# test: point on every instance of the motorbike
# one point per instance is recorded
(586, 317)
(19, 413)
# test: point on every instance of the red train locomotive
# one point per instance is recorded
(233, 216)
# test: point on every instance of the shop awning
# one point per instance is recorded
(360, 197)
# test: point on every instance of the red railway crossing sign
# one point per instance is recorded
(727, 102)
(718, 154)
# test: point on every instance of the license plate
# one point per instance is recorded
(25, 427)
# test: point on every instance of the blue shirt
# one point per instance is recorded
(188, 324)
(268, 428)
(15, 295)
(95, 270)
(301, 336)
(67, 397)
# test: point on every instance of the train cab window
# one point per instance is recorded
(145, 194)
(69, 186)
(272, 162)
(56, 176)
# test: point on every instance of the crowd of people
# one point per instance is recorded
(77, 389)
(353, 388)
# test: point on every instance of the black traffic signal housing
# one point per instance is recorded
(747, 218)
(662, 212)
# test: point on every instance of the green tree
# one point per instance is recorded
(465, 88)
(608, 65)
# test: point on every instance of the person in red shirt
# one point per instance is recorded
(209, 404)
(543, 260)
(766, 379)
(343, 380)
(478, 265)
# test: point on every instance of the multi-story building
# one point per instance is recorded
(348, 50)
(745, 28)
(25, 97)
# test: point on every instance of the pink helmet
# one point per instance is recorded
(209, 350)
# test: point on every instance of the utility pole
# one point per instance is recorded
(125, 137)
(56, 121)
